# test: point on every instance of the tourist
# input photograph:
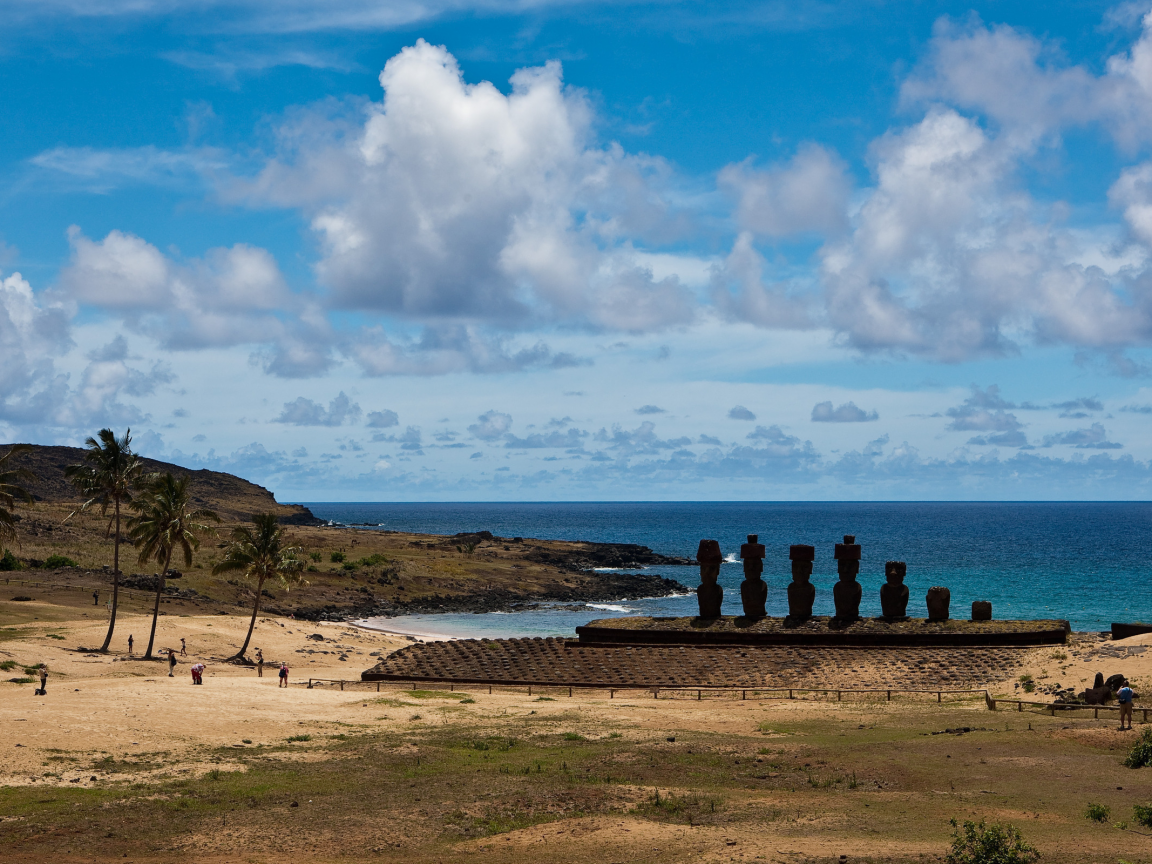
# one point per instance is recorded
(129, 644)
(198, 673)
(259, 663)
(1124, 696)
(183, 648)
(43, 691)
(96, 597)
(283, 676)
(171, 662)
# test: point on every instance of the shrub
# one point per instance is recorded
(54, 561)
(350, 565)
(337, 557)
(9, 562)
(989, 844)
(372, 560)
(21, 680)
(572, 736)
(1141, 752)
(8, 664)
(1028, 683)
(1097, 812)
(300, 738)
(1142, 813)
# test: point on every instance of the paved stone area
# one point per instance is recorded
(563, 662)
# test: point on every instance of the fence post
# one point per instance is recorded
(889, 695)
(569, 692)
(451, 688)
(489, 689)
(656, 695)
(1096, 713)
(1020, 707)
(377, 686)
(837, 695)
(743, 694)
(790, 693)
(938, 696)
(611, 694)
(697, 695)
(529, 689)
(341, 685)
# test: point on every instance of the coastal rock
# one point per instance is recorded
(590, 556)
(709, 595)
(981, 610)
(847, 592)
(938, 599)
(753, 591)
(894, 593)
(801, 592)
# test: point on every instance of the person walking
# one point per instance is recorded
(183, 648)
(129, 644)
(283, 676)
(171, 663)
(43, 691)
(1124, 696)
(96, 597)
(259, 663)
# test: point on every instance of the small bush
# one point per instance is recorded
(1141, 752)
(337, 557)
(8, 664)
(372, 560)
(9, 562)
(215, 774)
(572, 736)
(299, 738)
(468, 701)
(1097, 812)
(1027, 682)
(31, 670)
(21, 680)
(1142, 813)
(350, 565)
(989, 844)
(54, 561)
(315, 556)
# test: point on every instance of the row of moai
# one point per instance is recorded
(846, 593)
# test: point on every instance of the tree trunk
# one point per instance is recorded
(156, 608)
(115, 579)
(239, 655)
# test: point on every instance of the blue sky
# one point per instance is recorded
(538, 250)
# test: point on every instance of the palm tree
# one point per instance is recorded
(109, 474)
(164, 521)
(11, 491)
(260, 552)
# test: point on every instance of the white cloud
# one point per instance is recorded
(1022, 85)
(809, 193)
(382, 419)
(1094, 437)
(455, 201)
(305, 412)
(101, 171)
(491, 426)
(823, 412)
(230, 296)
(739, 412)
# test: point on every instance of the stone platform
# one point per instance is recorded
(560, 662)
(822, 632)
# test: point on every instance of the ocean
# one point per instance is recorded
(1085, 562)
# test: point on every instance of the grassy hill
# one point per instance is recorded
(234, 498)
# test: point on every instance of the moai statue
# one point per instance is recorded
(847, 592)
(801, 592)
(981, 610)
(753, 591)
(938, 599)
(709, 594)
(894, 593)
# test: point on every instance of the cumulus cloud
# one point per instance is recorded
(491, 426)
(649, 409)
(571, 439)
(809, 193)
(305, 412)
(823, 412)
(739, 412)
(231, 296)
(453, 200)
(382, 419)
(742, 291)
(1094, 437)
(1023, 85)
(987, 411)
(443, 349)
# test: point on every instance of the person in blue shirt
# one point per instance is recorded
(1124, 697)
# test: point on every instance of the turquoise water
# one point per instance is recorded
(1086, 562)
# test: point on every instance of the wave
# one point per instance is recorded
(609, 607)
(731, 558)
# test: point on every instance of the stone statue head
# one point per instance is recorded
(709, 573)
(895, 571)
(802, 557)
(848, 559)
